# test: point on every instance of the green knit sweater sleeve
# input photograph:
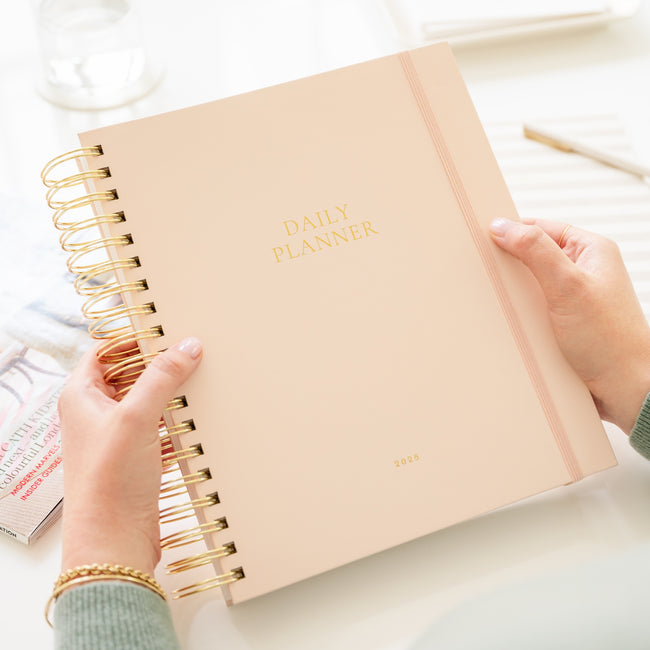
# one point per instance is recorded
(111, 615)
(640, 434)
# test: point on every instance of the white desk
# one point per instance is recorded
(384, 601)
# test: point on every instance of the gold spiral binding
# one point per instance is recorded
(78, 178)
(177, 487)
(129, 369)
(193, 535)
(201, 559)
(104, 242)
(176, 403)
(177, 429)
(171, 469)
(121, 347)
(210, 583)
(90, 309)
(72, 181)
(122, 392)
(87, 284)
(100, 330)
(87, 224)
(82, 152)
(100, 279)
(181, 454)
(77, 204)
(188, 509)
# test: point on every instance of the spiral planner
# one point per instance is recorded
(374, 368)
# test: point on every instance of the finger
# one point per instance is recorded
(537, 249)
(554, 229)
(162, 378)
(89, 374)
(561, 232)
(86, 386)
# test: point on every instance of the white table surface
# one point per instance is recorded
(215, 49)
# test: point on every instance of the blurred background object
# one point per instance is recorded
(470, 22)
(92, 53)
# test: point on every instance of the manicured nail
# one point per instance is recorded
(191, 346)
(499, 227)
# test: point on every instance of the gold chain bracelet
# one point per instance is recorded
(100, 572)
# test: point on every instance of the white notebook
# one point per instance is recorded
(468, 22)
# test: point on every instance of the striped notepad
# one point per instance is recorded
(549, 184)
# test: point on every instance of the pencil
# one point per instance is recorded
(572, 146)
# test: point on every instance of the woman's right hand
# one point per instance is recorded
(596, 316)
(113, 460)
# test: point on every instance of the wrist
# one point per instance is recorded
(624, 402)
(89, 573)
(88, 539)
(639, 388)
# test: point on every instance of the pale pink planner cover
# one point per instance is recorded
(374, 368)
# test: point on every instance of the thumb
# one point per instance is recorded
(162, 378)
(539, 252)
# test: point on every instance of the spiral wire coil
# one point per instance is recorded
(109, 316)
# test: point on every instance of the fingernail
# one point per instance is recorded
(499, 227)
(191, 346)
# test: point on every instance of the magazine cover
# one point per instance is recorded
(42, 335)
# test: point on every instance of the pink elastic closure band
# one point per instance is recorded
(487, 257)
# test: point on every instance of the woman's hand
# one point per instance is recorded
(113, 460)
(595, 313)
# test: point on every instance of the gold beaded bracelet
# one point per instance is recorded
(100, 572)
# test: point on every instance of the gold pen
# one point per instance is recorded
(572, 146)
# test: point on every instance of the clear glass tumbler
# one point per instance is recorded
(92, 53)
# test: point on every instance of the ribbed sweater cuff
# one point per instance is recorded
(640, 434)
(110, 615)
